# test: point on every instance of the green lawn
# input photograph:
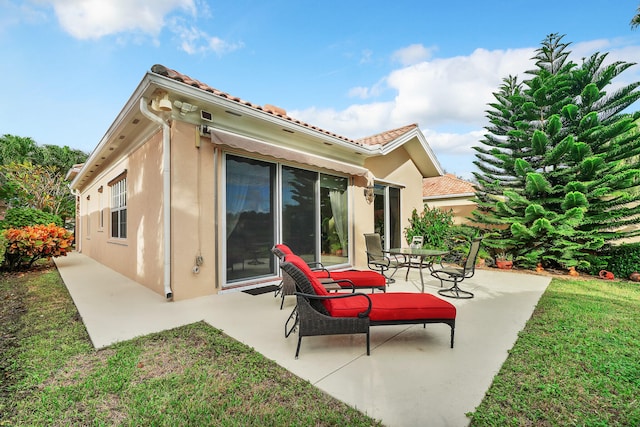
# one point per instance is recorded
(190, 376)
(577, 362)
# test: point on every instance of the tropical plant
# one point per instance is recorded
(26, 245)
(38, 187)
(34, 176)
(558, 178)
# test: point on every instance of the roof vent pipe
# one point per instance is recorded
(166, 192)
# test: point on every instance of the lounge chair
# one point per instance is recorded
(348, 279)
(322, 313)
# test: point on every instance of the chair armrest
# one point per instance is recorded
(376, 259)
(337, 296)
(343, 283)
(317, 265)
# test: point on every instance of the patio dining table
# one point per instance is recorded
(424, 254)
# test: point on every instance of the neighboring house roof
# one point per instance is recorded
(446, 186)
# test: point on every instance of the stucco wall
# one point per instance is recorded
(395, 167)
(193, 189)
(140, 255)
(462, 208)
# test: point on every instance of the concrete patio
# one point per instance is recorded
(411, 378)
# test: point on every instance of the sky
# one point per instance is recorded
(353, 67)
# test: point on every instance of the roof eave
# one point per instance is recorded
(416, 135)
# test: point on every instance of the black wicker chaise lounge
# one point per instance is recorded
(321, 313)
(349, 279)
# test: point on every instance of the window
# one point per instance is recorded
(119, 207)
(100, 210)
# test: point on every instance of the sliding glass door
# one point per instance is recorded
(387, 215)
(299, 207)
(334, 219)
(263, 199)
(250, 219)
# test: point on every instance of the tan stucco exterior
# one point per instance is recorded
(196, 237)
(461, 208)
(139, 256)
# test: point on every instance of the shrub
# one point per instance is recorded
(433, 224)
(28, 244)
(624, 260)
(22, 217)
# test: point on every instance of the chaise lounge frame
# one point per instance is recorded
(313, 319)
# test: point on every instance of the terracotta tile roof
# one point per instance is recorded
(276, 111)
(446, 185)
(387, 136)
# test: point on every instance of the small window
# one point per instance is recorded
(100, 210)
(119, 207)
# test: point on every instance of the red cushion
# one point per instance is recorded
(394, 306)
(304, 267)
(366, 279)
(284, 248)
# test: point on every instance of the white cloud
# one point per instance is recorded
(412, 54)
(195, 41)
(436, 93)
(453, 143)
(92, 19)
(453, 90)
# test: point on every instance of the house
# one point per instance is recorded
(448, 192)
(190, 187)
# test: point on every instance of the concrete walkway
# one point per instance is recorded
(411, 378)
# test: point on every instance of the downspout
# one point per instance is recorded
(166, 192)
(76, 204)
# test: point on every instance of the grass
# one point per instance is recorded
(193, 375)
(575, 363)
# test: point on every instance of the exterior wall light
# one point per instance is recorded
(368, 194)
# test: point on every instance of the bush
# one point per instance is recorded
(433, 224)
(22, 217)
(624, 260)
(28, 244)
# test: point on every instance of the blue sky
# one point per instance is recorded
(355, 67)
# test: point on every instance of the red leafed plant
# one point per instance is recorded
(28, 244)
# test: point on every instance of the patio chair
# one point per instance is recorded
(458, 274)
(348, 279)
(321, 313)
(379, 259)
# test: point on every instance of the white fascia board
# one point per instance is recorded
(228, 104)
(417, 133)
(120, 121)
